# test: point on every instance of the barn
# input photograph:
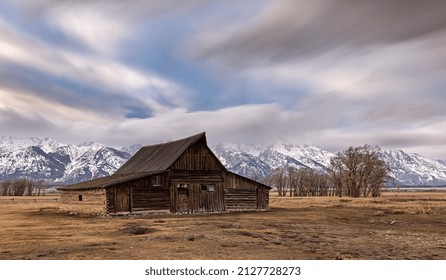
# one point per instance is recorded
(182, 176)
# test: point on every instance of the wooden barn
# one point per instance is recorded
(182, 176)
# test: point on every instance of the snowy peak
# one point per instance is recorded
(49, 145)
(262, 159)
(132, 149)
(57, 162)
(414, 169)
(305, 155)
(243, 159)
(9, 143)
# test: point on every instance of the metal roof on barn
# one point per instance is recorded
(108, 181)
(160, 156)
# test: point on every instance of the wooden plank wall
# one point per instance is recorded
(110, 200)
(240, 199)
(122, 200)
(149, 196)
(144, 195)
(196, 177)
(198, 200)
(197, 157)
(262, 198)
(242, 193)
(233, 181)
(154, 198)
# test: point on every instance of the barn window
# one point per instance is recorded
(157, 181)
(80, 197)
(208, 188)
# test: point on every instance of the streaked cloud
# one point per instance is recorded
(331, 73)
(289, 29)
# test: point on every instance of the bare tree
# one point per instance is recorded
(279, 179)
(29, 187)
(19, 187)
(39, 187)
(6, 187)
(336, 170)
(324, 184)
(308, 182)
(358, 171)
(293, 179)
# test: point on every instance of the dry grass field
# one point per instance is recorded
(395, 226)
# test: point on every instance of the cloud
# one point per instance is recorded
(94, 28)
(26, 103)
(103, 26)
(69, 74)
(331, 73)
(249, 123)
(34, 53)
(357, 71)
(293, 29)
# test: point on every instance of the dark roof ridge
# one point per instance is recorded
(198, 136)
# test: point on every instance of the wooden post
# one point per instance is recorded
(116, 194)
(131, 199)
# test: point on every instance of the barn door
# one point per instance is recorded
(122, 199)
(183, 200)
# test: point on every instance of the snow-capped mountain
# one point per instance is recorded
(256, 160)
(249, 160)
(57, 162)
(414, 169)
(65, 163)
(132, 149)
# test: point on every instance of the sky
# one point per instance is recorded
(328, 73)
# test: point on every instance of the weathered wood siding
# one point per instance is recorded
(197, 157)
(195, 168)
(122, 199)
(233, 181)
(242, 193)
(148, 195)
(144, 194)
(262, 198)
(84, 201)
(192, 198)
(240, 199)
(196, 177)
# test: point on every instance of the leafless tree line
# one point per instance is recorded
(300, 182)
(23, 187)
(354, 172)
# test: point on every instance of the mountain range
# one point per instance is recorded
(408, 169)
(61, 163)
(56, 162)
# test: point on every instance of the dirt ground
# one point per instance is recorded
(395, 226)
